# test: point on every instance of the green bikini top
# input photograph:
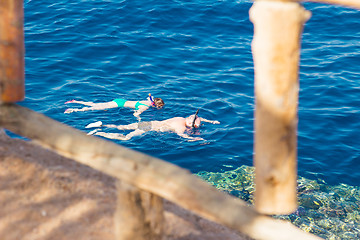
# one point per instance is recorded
(139, 104)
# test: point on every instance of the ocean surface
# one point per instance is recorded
(195, 54)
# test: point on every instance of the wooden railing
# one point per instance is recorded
(143, 180)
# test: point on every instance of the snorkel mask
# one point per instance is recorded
(195, 117)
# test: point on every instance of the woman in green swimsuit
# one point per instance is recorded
(139, 106)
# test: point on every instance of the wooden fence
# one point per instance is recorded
(144, 180)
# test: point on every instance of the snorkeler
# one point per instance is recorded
(139, 106)
(177, 125)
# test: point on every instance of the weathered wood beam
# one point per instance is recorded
(147, 173)
(12, 87)
(139, 214)
(345, 3)
(276, 51)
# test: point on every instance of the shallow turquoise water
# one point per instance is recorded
(331, 212)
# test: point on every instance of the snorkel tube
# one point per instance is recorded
(195, 116)
(151, 99)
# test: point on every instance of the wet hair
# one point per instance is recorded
(159, 103)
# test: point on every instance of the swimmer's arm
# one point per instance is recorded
(137, 113)
(191, 139)
(137, 116)
(209, 121)
(140, 111)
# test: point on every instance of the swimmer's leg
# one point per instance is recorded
(123, 127)
(112, 135)
(94, 124)
(137, 132)
(94, 106)
(70, 110)
(119, 136)
(81, 102)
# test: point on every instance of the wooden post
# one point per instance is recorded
(139, 214)
(276, 48)
(12, 88)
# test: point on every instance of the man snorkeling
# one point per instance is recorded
(139, 106)
(177, 125)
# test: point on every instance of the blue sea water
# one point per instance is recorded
(195, 54)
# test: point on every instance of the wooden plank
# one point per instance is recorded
(12, 73)
(276, 52)
(147, 173)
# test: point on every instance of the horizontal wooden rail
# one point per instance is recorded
(147, 173)
(345, 3)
